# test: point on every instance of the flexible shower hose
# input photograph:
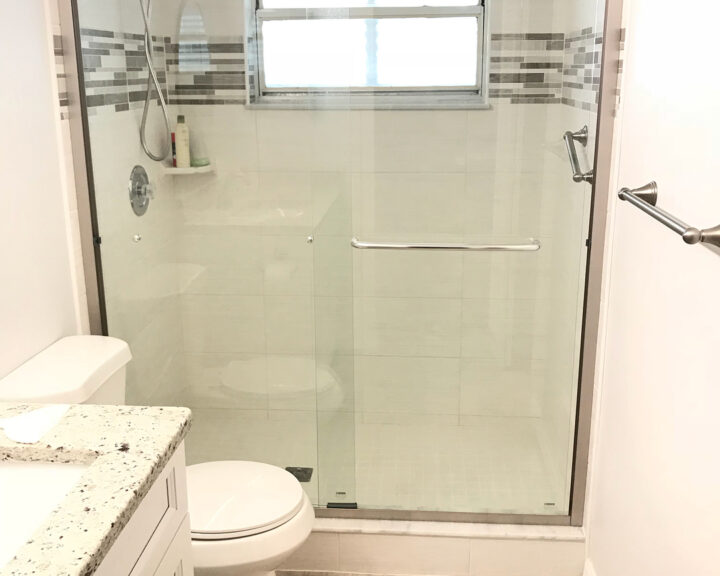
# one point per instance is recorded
(152, 79)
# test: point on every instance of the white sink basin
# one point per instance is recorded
(29, 491)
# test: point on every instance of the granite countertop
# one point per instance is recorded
(126, 448)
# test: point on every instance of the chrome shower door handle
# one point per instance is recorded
(570, 139)
(531, 245)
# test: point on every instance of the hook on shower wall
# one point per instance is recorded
(152, 80)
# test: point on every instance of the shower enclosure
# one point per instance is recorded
(379, 279)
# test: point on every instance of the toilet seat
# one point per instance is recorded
(256, 555)
(235, 499)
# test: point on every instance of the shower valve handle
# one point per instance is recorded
(148, 190)
(141, 191)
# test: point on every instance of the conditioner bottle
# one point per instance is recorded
(182, 143)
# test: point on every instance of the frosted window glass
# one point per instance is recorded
(362, 3)
(377, 53)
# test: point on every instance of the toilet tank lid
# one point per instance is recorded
(68, 371)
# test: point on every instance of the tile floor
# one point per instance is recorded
(485, 464)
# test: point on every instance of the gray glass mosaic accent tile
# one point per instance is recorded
(61, 76)
(526, 68)
(208, 72)
(116, 71)
(581, 72)
(190, 72)
(620, 68)
(536, 68)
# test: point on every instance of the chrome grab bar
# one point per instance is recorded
(645, 198)
(532, 246)
(570, 139)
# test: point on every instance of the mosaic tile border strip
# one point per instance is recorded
(581, 73)
(535, 68)
(61, 75)
(526, 68)
(203, 72)
(620, 68)
(116, 71)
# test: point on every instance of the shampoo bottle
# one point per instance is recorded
(182, 143)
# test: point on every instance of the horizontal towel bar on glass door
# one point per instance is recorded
(531, 246)
(646, 197)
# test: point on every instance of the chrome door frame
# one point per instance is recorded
(605, 129)
(82, 166)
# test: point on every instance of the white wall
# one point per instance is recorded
(37, 285)
(655, 481)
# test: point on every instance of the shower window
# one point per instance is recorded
(365, 50)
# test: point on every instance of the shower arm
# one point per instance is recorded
(152, 79)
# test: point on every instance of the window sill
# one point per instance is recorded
(403, 102)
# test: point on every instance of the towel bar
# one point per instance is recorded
(645, 198)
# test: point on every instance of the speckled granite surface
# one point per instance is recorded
(126, 447)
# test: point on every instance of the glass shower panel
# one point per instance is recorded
(139, 254)
(334, 345)
(275, 213)
(464, 360)
(234, 288)
(389, 379)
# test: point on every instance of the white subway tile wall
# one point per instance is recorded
(480, 346)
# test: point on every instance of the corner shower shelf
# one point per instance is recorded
(188, 171)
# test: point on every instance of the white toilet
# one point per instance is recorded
(245, 517)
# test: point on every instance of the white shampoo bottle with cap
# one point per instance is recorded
(182, 143)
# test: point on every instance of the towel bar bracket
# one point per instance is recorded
(648, 193)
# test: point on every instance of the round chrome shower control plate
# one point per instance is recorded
(140, 190)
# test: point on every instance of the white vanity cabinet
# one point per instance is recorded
(156, 540)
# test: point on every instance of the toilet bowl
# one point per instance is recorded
(246, 518)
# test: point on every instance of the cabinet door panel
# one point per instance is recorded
(142, 544)
(178, 558)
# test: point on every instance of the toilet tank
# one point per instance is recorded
(73, 370)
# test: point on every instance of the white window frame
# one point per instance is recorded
(371, 97)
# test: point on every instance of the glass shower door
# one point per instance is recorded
(377, 284)
(468, 273)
